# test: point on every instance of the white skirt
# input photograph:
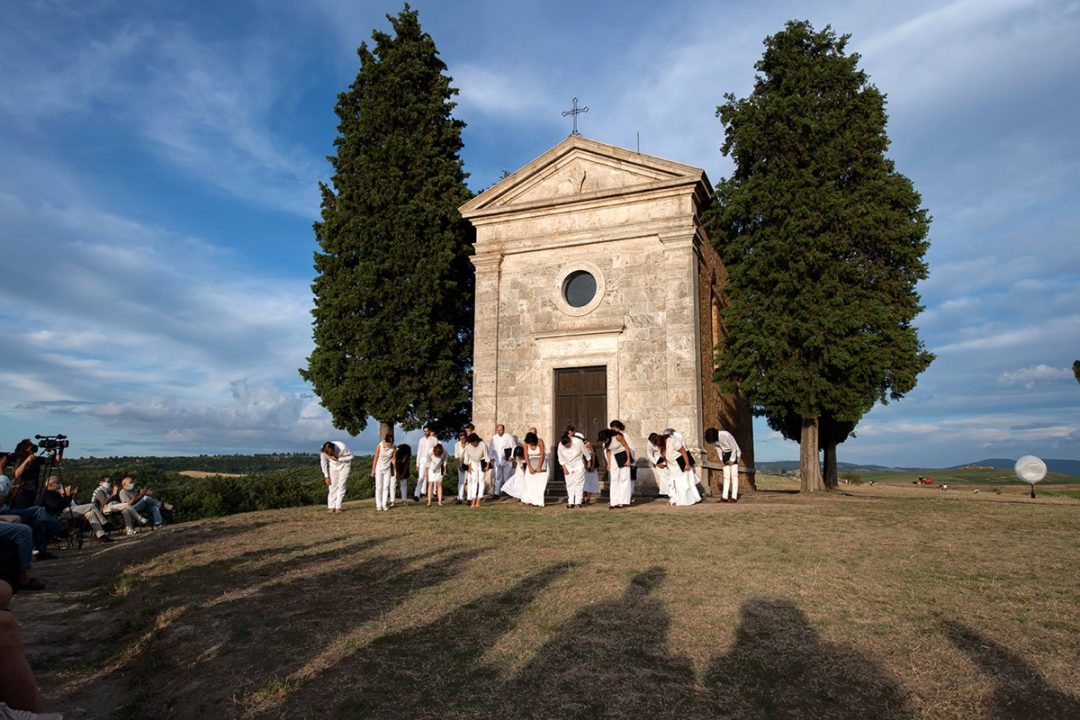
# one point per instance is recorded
(535, 488)
(515, 486)
(683, 489)
(620, 490)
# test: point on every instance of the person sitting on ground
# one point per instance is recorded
(107, 500)
(41, 524)
(59, 501)
(140, 501)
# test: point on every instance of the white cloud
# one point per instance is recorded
(1030, 376)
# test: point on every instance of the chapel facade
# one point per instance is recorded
(598, 296)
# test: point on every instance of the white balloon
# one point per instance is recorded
(1030, 469)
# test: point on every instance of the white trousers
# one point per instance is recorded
(731, 482)
(575, 485)
(339, 474)
(475, 482)
(384, 488)
(462, 482)
(401, 486)
(421, 482)
(502, 472)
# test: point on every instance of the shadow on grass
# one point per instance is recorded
(436, 669)
(780, 668)
(1021, 691)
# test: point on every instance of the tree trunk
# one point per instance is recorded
(385, 429)
(809, 467)
(832, 481)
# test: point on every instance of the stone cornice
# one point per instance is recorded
(579, 331)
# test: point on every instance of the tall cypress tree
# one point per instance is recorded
(824, 242)
(394, 285)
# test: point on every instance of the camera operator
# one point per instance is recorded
(40, 522)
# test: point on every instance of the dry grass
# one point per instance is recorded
(884, 602)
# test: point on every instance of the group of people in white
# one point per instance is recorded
(504, 466)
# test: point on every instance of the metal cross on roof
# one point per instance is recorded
(574, 111)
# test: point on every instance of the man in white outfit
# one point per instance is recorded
(728, 450)
(423, 459)
(572, 455)
(502, 447)
(335, 459)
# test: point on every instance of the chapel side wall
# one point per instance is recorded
(721, 410)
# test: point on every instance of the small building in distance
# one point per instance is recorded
(598, 296)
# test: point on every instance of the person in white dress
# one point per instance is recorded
(619, 429)
(381, 465)
(728, 451)
(335, 459)
(515, 485)
(572, 454)
(536, 470)
(436, 468)
(424, 447)
(618, 462)
(683, 480)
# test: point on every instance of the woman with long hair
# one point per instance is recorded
(382, 470)
(536, 470)
(618, 462)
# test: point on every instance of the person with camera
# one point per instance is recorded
(41, 524)
(140, 501)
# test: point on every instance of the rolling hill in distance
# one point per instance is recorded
(1065, 467)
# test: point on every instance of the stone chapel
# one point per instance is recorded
(598, 296)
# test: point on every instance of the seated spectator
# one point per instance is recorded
(140, 500)
(40, 522)
(15, 535)
(107, 501)
(59, 501)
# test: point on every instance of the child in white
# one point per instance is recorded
(336, 462)
(436, 467)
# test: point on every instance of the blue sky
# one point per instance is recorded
(159, 164)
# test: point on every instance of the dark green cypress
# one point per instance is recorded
(394, 285)
(824, 241)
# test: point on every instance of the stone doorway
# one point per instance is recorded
(581, 401)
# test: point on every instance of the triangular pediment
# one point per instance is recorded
(580, 169)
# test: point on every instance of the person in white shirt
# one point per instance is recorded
(728, 451)
(476, 458)
(618, 463)
(382, 470)
(502, 449)
(572, 454)
(619, 430)
(336, 462)
(682, 489)
(423, 459)
(459, 453)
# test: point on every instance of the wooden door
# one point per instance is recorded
(581, 401)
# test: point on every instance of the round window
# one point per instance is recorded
(579, 288)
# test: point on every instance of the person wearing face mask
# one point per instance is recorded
(140, 501)
(107, 501)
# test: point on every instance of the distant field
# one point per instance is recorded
(884, 601)
(205, 474)
(955, 476)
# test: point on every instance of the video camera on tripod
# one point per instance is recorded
(49, 443)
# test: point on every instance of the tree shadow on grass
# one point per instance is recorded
(780, 668)
(1021, 691)
(434, 670)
